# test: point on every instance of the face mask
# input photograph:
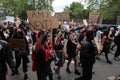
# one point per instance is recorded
(6, 35)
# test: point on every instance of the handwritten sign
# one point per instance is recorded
(62, 16)
(94, 17)
(41, 20)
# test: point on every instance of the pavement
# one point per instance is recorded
(101, 69)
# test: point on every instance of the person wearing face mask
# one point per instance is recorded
(42, 57)
(5, 58)
(21, 54)
(5, 34)
(71, 51)
(87, 56)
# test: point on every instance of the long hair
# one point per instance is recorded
(58, 38)
(39, 42)
(21, 34)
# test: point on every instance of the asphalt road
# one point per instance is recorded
(101, 68)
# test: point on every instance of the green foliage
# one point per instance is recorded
(77, 11)
(109, 9)
(44, 5)
(19, 7)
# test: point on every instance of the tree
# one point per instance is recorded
(19, 8)
(8, 6)
(77, 11)
(44, 5)
(109, 9)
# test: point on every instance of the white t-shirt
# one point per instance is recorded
(98, 35)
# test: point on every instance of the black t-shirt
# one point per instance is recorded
(59, 47)
(71, 48)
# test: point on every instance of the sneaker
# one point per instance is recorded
(119, 57)
(68, 70)
(98, 58)
(50, 76)
(93, 72)
(79, 78)
(59, 78)
(77, 72)
(109, 62)
(26, 77)
(116, 59)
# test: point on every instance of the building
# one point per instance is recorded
(63, 17)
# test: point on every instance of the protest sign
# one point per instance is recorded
(62, 16)
(41, 20)
(94, 17)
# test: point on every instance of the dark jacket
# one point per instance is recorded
(6, 57)
(81, 37)
(87, 53)
(117, 40)
(42, 59)
(3, 37)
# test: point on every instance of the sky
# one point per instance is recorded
(59, 5)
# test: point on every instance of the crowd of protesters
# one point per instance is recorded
(49, 46)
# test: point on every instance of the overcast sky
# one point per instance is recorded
(59, 5)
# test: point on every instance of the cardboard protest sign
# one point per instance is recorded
(94, 17)
(41, 20)
(63, 16)
(18, 44)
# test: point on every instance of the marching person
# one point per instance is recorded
(99, 35)
(43, 57)
(59, 47)
(87, 56)
(71, 51)
(111, 35)
(106, 45)
(5, 34)
(5, 57)
(81, 38)
(117, 42)
(21, 54)
(99, 38)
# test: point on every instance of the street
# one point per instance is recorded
(101, 68)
